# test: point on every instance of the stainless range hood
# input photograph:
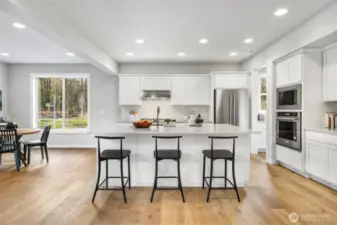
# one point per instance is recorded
(155, 94)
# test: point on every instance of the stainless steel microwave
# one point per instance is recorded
(289, 97)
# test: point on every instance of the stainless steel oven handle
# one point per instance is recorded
(287, 119)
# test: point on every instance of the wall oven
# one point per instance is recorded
(289, 97)
(288, 133)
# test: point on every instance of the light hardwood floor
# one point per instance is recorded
(60, 193)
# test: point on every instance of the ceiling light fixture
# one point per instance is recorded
(181, 54)
(5, 54)
(233, 54)
(70, 54)
(281, 12)
(19, 25)
(139, 41)
(129, 53)
(203, 41)
(248, 40)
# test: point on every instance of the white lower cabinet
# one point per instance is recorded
(289, 157)
(317, 159)
(321, 157)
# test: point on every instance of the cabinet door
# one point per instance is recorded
(295, 69)
(179, 87)
(282, 73)
(333, 165)
(231, 81)
(317, 159)
(330, 75)
(203, 91)
(129, 91)
(156, 83)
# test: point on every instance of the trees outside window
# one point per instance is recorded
(61, 101)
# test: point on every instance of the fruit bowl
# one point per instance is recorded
(142, 123)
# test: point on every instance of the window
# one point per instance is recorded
(61, 101)
(263, 93)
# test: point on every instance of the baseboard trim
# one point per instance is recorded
(71, 146)
(323, 182)
(303, 174)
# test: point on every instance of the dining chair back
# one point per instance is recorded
(45, 134)
(9, 142)
(3, 127)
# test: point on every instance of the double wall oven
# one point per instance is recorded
(288, 125)
(289, 122)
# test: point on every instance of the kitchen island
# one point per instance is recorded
(194, 140)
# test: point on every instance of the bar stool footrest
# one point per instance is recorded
(103, 182)
(220, 187)
(167, 188)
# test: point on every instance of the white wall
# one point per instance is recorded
(175, 68)
(3, 87)
(313, 30)
(103, 96)
(318, 27)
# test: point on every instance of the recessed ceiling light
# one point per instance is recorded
(181, 54)
(233, 54)
(248, 40)
(70, 54)
(4, 54)
(203, 41)
(19, 26)
(281, 12)
(139, 41)
(129, 53)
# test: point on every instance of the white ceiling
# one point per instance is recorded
(28, 46)
(172, 26)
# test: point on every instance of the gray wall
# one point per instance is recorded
(103, 97)
(3, 87)
(175, 68)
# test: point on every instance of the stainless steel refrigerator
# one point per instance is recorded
(232, 106)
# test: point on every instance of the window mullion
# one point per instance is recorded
(63, 102)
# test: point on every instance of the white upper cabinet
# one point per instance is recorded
(156, 83)
(129, 91)
(231, 81)
(282, 73)
(295, 68)
(190, 90)
(289, 71)
(330, 75)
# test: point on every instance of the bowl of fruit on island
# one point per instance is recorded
(142, 123)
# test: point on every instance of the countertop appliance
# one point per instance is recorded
(288, 130)
(232, 106)
(289, 97)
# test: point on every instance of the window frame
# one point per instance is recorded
(263, 111)
(34, 99)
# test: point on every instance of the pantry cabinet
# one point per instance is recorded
(129, 91)
(289, 71)
(330, 75)
(190, 90)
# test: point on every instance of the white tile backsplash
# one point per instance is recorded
(149, 108)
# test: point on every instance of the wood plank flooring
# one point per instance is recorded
(60, 193)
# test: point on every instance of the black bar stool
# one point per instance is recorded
(112, 154)
(167, 155)
(219, 154)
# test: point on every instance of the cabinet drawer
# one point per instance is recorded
(321, 137)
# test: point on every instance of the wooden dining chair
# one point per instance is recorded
(42, 143)
(9, 144)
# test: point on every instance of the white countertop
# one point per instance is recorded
(180, 129)
(322, 130)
